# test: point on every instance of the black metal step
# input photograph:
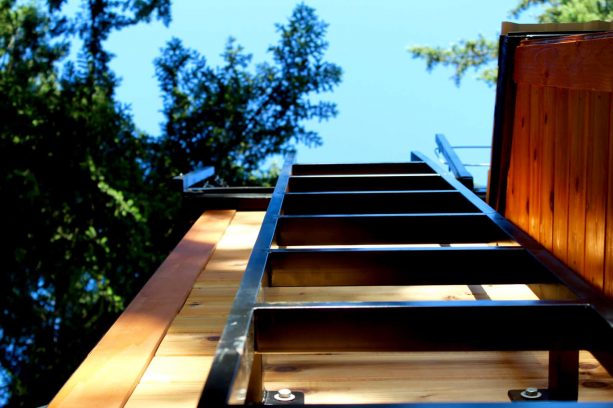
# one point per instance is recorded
(404, 266)
(362, 168)
(387, 229)
(397, 202)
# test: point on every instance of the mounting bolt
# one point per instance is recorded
(284, 394)
(531, 393)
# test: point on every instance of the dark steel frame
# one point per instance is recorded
(453, 161)
(198, 198)
(254, 327)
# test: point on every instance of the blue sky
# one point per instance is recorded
(388, 104)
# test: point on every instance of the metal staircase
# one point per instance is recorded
(358, 225)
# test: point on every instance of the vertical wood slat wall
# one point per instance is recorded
(560, 180)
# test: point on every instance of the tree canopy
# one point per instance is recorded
(234, 117)
(87, 214)
(480, 54)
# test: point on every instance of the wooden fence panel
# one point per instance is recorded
(596, 186)
(561, 176)
(559, 187)
(547, 165)
(577, 164)
(608, 270)
(536, 145)
(518, 185)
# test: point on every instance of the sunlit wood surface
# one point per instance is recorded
(107, 377)
(560, 183)
(176, 374)
(423, 377)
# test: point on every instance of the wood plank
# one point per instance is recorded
(596, 187)
(423, 377)
(562, 175)
(394, 293)
(404, 377)
(608, 279)
(170, 395)
(581, 62)
(165, 369)
(110, 373)
(576, 206)
(536, 144)
(189, 344)
(176, 375)
(367, 293)
(521, 174)
(510, 292)
(205, 307)
(508, 27)
(547, 167)
(175, 381)
(512, 205)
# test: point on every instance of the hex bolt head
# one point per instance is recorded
(284, 394)
(531, 393)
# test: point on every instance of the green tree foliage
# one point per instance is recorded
(233, 117)
(86, 210)
(72, 198)
(481, 54)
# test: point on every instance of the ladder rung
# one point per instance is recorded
(362, 168)
(368, 183)
(429, 326)
(377, 267)
(377, 203)
(395, 225)
(387, 229)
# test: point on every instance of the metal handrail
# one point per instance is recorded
(453, 162)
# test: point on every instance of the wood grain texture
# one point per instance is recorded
(577, 165)
(580, 62)
(536, 147)
(395, 293)
(107, 377)
(596, 185)
(177, 373)
(513, 206)
(422, 377)
(561, 175)
(547, 167)
(563, 136)
(522, 140)
(608, 273)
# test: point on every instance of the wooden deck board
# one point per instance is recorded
(422, 377)
(390, 377)
(176, 375)
(108, 376)
(397, 293)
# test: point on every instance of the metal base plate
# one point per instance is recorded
(515, 396)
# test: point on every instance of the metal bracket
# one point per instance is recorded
(269, 398)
